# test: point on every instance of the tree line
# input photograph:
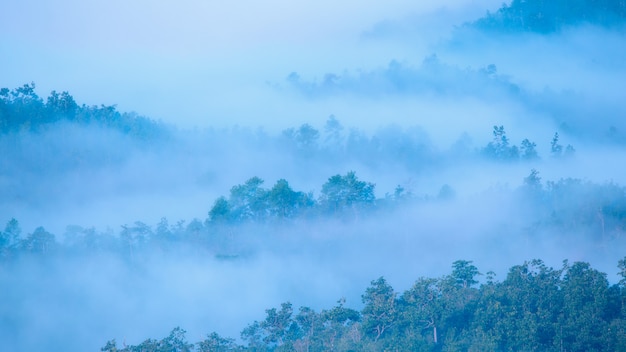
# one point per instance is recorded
(21, 109)
(546, 16)
(535, 308)
(565, 207)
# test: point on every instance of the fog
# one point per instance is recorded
(194, 63)
(402, 93)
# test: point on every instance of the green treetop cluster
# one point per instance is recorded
(567, 207)
(546, 16)
(21, 109)
(535, 308)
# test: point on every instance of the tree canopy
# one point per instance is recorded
(546, 16)
(535, 308)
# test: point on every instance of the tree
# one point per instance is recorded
(528, 150)
(9, 238)
(310, 328)
(499, 148)
(61, 107)
(248, 201)
(333, 131)
(621, 265)
(583, 323)
(464, 273)
(533, 194)
(215, 343)
(307, 137)
(341, 326)
(253, 334)
(522, 313)
(277, 324)
(379, 313)
(194, 230)
(422, 311)
(84, 239)
(21, 108)
(533, 181)
(346, 192)
(135, 236)
(163, 231)
(220, 212)
(284, 202)
(555, 148)
(111, 346)
(277, 329)
(175, 342)
(304, 139)
(40, 241)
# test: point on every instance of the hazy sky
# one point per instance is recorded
(195, 62)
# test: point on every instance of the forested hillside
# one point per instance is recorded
(21, 109)
(567, 208)
(545, 16)
(535, 308)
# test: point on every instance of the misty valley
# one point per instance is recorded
(451, 179)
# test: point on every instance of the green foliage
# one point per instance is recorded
(379, 313)
(284, 202)
(528, 151)
(175, 342)
(567, 207)
(341, 193)
(248, 201)
(421, 313)
(111, 346)
(464, 273)
(278, 324)
(499, 148)
(556, 149)
(576, 205)
(546, 16)
(536, 308)
(21, 109)
(523, 310)
(304, 139)
(9, 238)
(38, 242)
(220, 212)
(532, 182)
(622, 272)
(251, 202)
(584, 324)
(215, 343)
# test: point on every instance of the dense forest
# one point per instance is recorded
(549, 16)
(21, 109)
(535, 308)
(564, 208)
